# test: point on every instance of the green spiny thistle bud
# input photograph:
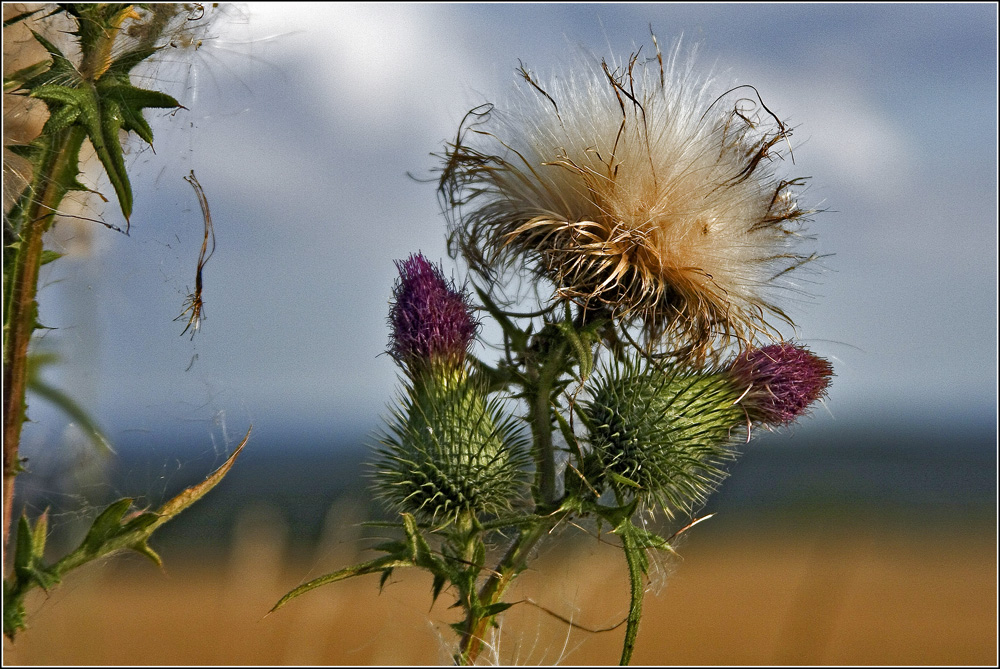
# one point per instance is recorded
(449, 452)
(662, 433)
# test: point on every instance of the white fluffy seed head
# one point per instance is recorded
(638, 190)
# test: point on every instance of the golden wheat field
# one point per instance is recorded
(843, 593)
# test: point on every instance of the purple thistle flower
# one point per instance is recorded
(781, 381)
(431, 319)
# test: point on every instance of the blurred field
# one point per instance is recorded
(798, 593)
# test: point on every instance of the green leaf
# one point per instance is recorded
(635, 542)
(196, 492)
(23, 549)
(65, 95)
(107, 525)
(131, 101)
(119, 70)
(61, 67)
(29, 571)
(48, 256)
(61, 118)
(103, 121)
(144, 549)
(495, 378)
(582, 351)
(420, 551)
(568, 435)
(617, 516)
(494, 609)
(39, 535)
(103, 108)
(384, 563)
(635, 557)
(16, 80)
(14, 614)
(437, 586)
(27, 151)
(391, 547)
(140, 522)
(110, 534)
(20, 17)
(618, 478)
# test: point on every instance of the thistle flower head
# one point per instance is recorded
(449, 452)
(780, 381)
(664, 433)
(636, 189)
(431, 320)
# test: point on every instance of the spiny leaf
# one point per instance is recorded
(20, 17)
(500, 522)
(391, 547)
(618, 478)
(61, 118)
(39, 535)
(112, 531)
(437, 586)
(635, 557)
(494, 609)
(618, 516)
(567, 433)
(13, 611)
(131, 101)
(196, 492)
(107, 525)
(103, 108)
(420, 551)
(384, 563)
(23, 547)
(27, 151)
(49, 255)
(120, 68)
(61, 71)
(16, 80)
(144, 549)
(582, 349)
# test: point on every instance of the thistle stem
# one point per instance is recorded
(632, 557)
(512, 563)
(47, 192)
(540, 418)
(539, 390)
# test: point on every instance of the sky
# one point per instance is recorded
(311, 129)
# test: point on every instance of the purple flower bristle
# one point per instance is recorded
(431, 319)
(783, 380)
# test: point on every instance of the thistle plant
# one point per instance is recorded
(638, 213)
(89, 96)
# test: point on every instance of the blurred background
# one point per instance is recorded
(865, 534)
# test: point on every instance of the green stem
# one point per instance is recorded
(540, 418)
(633, 558)
(50, 184)
(55, 174)
(541, 379)
(512, 563)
